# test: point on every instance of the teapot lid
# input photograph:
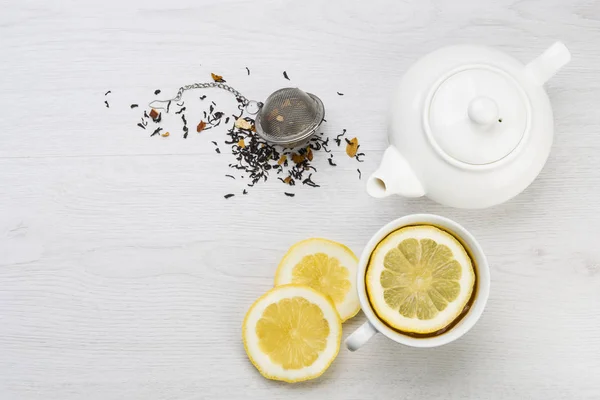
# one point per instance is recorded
(476, 114)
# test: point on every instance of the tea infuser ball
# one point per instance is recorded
(289, 116)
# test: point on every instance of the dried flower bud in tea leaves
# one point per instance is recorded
(352, 147)
(241, 123)
(217, 78)
(166, 134)
(241, 143)
(282, 159)
(309, 154)
(201, 126)
(297, 158)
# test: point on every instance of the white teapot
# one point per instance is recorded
(471, 127)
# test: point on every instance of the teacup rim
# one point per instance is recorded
(483, 282)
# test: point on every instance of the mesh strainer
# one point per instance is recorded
(288, 118)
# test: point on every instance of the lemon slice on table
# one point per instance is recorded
(419, 279)
(292, 333)
(326, 266)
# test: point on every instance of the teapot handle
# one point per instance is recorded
(548, 63)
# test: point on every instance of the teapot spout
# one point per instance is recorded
(394, 176)
(546, 65)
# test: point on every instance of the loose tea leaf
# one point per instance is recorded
(248, 70)
(340, 94)
(201, 126)
(106, 103)
(156, 131)
(107, 93)
(285, 75)
(308, 181)
(359, 173)
(352, 147)
(217, 78)
(133, 106)
(289, 194)
(202, 97)
(227, 196)
(230, 176)
(338, 138)
(157, 91)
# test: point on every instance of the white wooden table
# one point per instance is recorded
(125, 274)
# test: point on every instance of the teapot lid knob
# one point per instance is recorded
(483, 111)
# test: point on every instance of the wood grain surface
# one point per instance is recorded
(125, 274)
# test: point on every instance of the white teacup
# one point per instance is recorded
(374, 325)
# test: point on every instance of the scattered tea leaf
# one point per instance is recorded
(106, 103)
(230, 176)
(245, 191)
(133, 106)
(202, 97)
(156, 131)
(141, 125)
(157, 91)
(285, 75)
(247, 69)
(107, 93)
(227, 196)
(289, 194)
(340, 94)
(359, 173)
(308, 181)
(338, 138)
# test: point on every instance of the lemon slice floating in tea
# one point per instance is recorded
(292, 333)
(419, 279)
(326, 266)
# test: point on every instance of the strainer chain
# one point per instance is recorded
(207, 85)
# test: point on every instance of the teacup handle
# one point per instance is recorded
(360, 336)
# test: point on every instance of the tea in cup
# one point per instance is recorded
(423, 281)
